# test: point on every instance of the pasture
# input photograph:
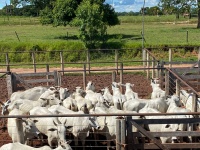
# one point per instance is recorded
(20, 32)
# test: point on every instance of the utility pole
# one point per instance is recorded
(143, 51)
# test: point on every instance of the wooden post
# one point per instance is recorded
(194, 103)
(166, 82)
(199, 54)
(147, 65)
(161, 74)
(84, 76)
(118, 134)
(170, 57)
(33, 59)
(123, 134)
(153, 66)
(121, 76)
(113, 76)
(177, 87)
(7, 63)
(55, 77)
(62, 62)
(158, 70)
(88, 60)
(47, 70)
(129, 133)
(116, 60)
(9, 82)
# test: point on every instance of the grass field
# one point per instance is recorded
(163, 30)
(22, 34)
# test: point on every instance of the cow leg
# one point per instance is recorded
(76, 142)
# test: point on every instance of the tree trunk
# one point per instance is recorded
(198, 4)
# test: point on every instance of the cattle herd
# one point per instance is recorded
(57, 100)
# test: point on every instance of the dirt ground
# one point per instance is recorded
(141, 86)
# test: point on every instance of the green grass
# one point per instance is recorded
(24, 33)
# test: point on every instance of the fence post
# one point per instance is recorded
(47, 76)
(194, 102)
(166, 82)
(118, 134)
(158, 70)
(161, 74)
(10, 82)
(33, 59)
(55, 77)
(153, 66)
(129, 133)
(147, 65)
(116, 59)
(88, 60)
(113, 76)
(7, 63)
(177, 87)
(121, 76)
(84, 76)
(123, 134)
(170, 57)
(62, 62)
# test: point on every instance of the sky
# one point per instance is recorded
(119, 5)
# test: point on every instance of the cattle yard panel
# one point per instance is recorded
(126, 138)
(29, 79)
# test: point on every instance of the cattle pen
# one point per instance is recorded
(172, 80)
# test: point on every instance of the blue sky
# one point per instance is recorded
(119, 5)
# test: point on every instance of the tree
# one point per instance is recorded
(93, 17)
(181, 5)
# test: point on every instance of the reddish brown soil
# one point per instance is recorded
(142, 87)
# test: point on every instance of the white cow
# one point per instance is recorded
(129, 93)
(91, 95)
(50, 126)
(118, 97)
(160, 127)
(19, 146)
(31, 94)
(156, 90)
(21, 129)
(108, 123)
(80, 126)
(107, 95)
(135, 105)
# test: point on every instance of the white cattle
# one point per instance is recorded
(70, 103)
(107, 95)
(80, 126)
(118, 97)
(50, 126)
(108, 123)
(47, 98)
(19, 146)
(187, 99)
(135, 105)
(63, 92)
(21, 129)
(156, 90)
(160, 127)
(31, 94)
(129, 93)
(82, 103)
(91, 95)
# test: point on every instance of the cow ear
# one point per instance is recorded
(68, 142)
(35, 120)
(52, 129)
(167, 126)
